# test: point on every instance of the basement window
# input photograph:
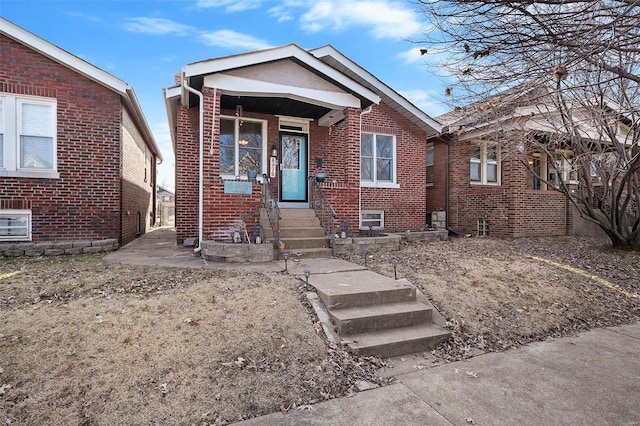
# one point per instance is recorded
(15, 225)
(370, 219)
(483, 228)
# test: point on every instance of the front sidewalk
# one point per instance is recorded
(589, 379)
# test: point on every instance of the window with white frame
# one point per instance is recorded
(430, 164)
(485, 164)
(378, 160)
(242, 146)
(27, 136)
(15, 225)
(370, 219)
(564, 168)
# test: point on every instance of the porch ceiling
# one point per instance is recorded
(274, 105)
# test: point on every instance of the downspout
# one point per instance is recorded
(201, 159)
(367, 110)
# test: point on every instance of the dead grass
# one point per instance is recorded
(88, 342)
(497, 295)
(85, 342)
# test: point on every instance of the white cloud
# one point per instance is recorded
(282, 14)
(232, 39)
(411, 56)
(156, 26)
(230, 5)
(385, 19)
(426, 101)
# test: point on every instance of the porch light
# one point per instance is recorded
(394, 263)
(274, 151)
(306, 276)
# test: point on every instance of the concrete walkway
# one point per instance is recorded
(589, 379)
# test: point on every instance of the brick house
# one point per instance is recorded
(77, 157)
(479, 178)
(289, 113)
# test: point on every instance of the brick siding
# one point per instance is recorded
(512, 209)
(84, 202)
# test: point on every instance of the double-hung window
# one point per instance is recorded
(242, 146)
(430, 165)
(378, 160)
(27, 136)
(485, 164)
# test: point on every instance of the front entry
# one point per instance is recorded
(293, 167)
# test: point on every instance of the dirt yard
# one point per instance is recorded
(87, 342)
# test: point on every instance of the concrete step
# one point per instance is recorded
(308, 253)
(360, 288)
(379, 317)
(315, 231)
(308, 222)
(291, 244)
(297, 213)
(397, 341)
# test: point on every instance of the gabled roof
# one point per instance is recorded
(326, 62)
(88, 70)
(332, 57)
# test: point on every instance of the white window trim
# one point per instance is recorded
(380, 212)
(393, 184)
(263, 157)
(484, 162)
(11, 107)
(26, 213)
(432, 165)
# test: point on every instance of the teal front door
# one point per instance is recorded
(293, 167)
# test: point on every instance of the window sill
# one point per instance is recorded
(240, 178)
(384, 185)
(30, 174)
(484, 184)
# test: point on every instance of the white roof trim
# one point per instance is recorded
(83, 67)
(62, 56)
(232, 85)
(212, 66)
(379, 85)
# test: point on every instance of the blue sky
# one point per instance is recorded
(145, 42)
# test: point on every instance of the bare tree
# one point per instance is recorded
(568, 72)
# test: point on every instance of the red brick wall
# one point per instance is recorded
(436, 193)
(404, 207)
(84, 203)
(339, 147)
(512, 209)
(138, 185)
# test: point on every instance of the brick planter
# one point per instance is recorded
(236, 253)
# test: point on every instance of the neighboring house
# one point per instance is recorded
(77, 157)
(288, 113)
(166, 210)
(479, 177)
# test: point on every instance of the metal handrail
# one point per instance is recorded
(270, 204)
(324, 211)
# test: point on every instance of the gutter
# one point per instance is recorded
(367, 110)
(200, 155)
